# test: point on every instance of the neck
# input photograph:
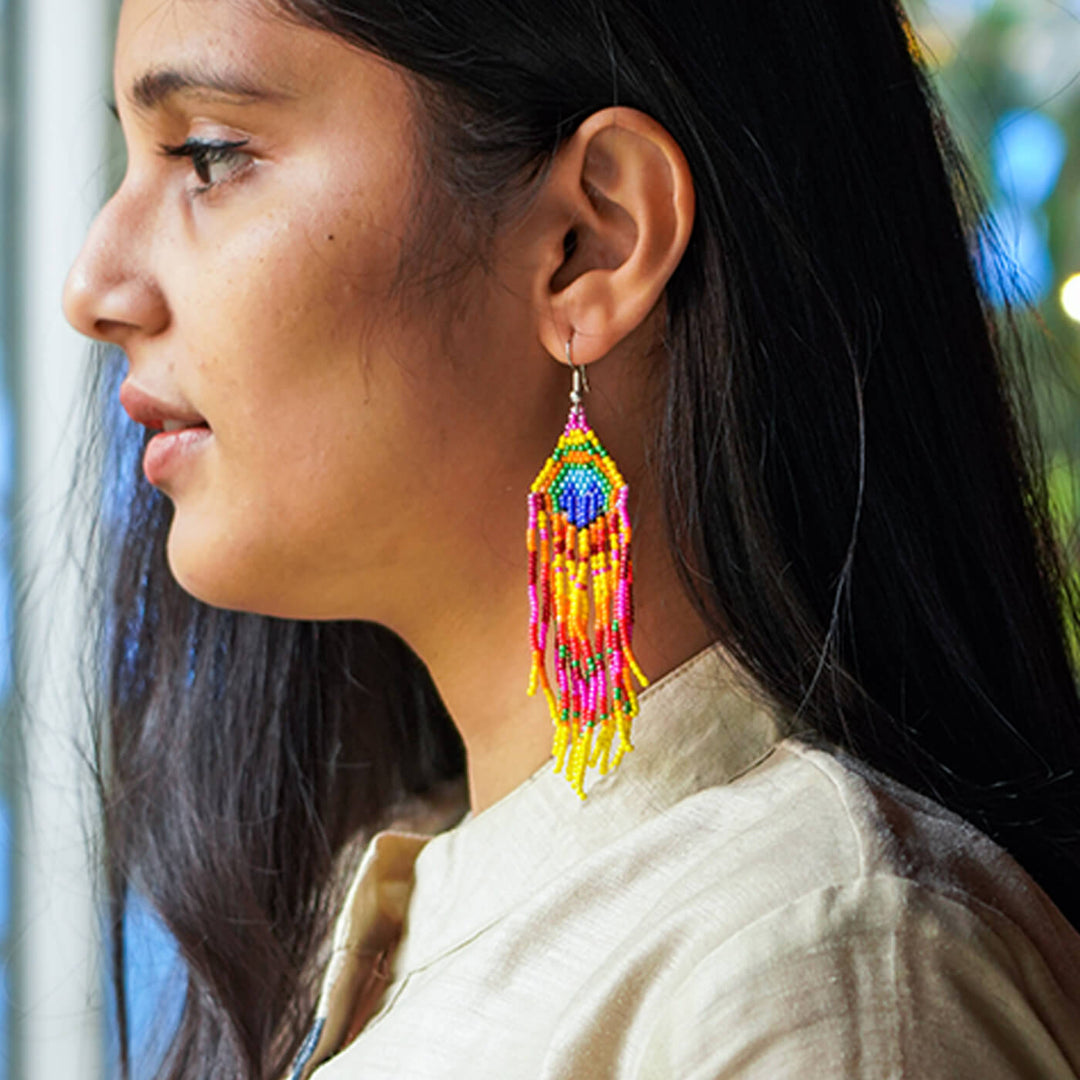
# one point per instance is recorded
(480, 660)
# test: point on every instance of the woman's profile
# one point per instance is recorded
(579, 598)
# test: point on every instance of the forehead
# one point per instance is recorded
(239, 43)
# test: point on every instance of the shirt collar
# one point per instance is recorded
(701, 724)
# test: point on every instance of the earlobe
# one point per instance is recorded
(626, 193)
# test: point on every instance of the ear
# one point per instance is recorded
(620, 208)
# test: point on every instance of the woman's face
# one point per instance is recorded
(251, 288)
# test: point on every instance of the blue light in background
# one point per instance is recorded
(1027, 150)
(154, 977)
(1013, 257)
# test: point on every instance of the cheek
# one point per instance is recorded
(283, 322)
(327, 431)
(285, 280)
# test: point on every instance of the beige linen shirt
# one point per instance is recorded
(728, 903)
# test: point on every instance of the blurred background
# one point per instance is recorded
(1009, 72)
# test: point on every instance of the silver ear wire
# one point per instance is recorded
(581, 379)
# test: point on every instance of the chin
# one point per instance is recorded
(211, 571)
(216, 570)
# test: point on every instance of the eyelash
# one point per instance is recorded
(203, 154)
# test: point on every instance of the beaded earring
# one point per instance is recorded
(579, 532)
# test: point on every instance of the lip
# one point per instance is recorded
(168, 450)
(152, 412)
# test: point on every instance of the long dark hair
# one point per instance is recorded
(847, 456)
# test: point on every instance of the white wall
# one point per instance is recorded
(62, 121)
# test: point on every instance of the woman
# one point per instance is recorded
(361, 254)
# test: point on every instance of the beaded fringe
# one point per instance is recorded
(579, 532)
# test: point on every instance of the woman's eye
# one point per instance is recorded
(214, 162)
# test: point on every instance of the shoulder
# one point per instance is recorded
(875, 977)
(804, 818)
(846, 926)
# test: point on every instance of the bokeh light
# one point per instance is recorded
(1070, 297)
(1027, 150)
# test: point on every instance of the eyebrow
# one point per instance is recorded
(153, 89)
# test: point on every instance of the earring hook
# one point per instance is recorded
(581, 378)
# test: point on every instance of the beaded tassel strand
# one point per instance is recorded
(578, 537)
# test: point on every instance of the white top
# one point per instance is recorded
(728, 903)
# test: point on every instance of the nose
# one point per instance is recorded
(109, 295)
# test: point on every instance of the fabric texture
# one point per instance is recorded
(730, 903)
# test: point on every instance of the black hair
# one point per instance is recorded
(847, 456)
